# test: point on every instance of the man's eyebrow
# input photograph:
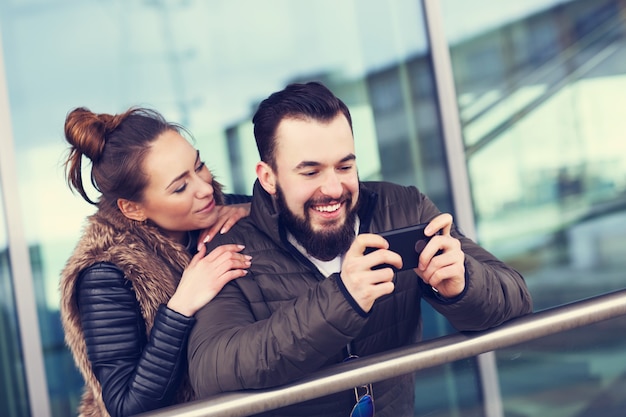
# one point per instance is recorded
(307, 164)
(184, 174)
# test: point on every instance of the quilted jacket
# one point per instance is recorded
(284, 319)
(129, 347)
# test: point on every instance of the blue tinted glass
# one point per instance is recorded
(13, 399)
(539, 87)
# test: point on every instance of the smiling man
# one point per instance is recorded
(317, 186)
(312, 296)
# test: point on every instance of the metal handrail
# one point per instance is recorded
(408, 359)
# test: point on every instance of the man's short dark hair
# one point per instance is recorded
(299, 101)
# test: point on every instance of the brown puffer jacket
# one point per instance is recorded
(284, 320)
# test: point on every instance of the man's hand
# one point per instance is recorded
(441, 264)
(364, 284)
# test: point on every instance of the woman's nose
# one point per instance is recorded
(204, 188)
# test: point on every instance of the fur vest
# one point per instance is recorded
(151, 261)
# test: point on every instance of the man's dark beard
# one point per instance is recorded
(323, 245)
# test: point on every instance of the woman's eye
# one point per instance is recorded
(200, 167)
(180, 189)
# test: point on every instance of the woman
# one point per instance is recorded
(131, 288)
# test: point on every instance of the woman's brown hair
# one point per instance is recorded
(116, 145)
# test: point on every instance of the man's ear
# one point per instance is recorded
(266, 177)
(131, 209)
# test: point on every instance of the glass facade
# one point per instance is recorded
(13, 394)
(539, 97)
(539, 93)
(538, 87)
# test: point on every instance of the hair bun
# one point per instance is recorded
(86, 131)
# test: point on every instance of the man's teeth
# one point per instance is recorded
(328, 209)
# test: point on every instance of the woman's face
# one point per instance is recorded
(179, 194)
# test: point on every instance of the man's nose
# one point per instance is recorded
(332, 186)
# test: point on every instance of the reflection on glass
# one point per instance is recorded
(539, 98)
(13, 399)
(433, 396)
(563, 375)
(569, 374)
(539, 91)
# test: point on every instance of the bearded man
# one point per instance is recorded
(313, 295)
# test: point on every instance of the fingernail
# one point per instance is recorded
(240, 246)
(248, 257)
(206, 239)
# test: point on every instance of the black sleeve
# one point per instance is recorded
(137, 373)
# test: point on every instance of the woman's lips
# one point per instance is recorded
(208, 207)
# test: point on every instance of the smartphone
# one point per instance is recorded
(408, 242)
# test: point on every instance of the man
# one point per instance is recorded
(311, 293)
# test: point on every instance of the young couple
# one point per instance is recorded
(273, 291)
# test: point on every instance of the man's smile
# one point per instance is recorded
(329, 208)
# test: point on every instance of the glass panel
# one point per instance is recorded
(550, 376)
(438, 395)
(13, 392)
(539, 91)
(577, 373)
(539, 98)
(206, 65)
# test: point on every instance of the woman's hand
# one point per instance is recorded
(205, 276)
(227, 217)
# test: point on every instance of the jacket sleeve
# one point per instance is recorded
(494, 292)
(230, 350)
(137, 373)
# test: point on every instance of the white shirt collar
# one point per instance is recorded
(327, 268)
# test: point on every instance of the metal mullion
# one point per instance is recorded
(459, 178)
(21, 273)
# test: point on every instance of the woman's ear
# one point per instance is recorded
(267, 177)
(131, 209)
